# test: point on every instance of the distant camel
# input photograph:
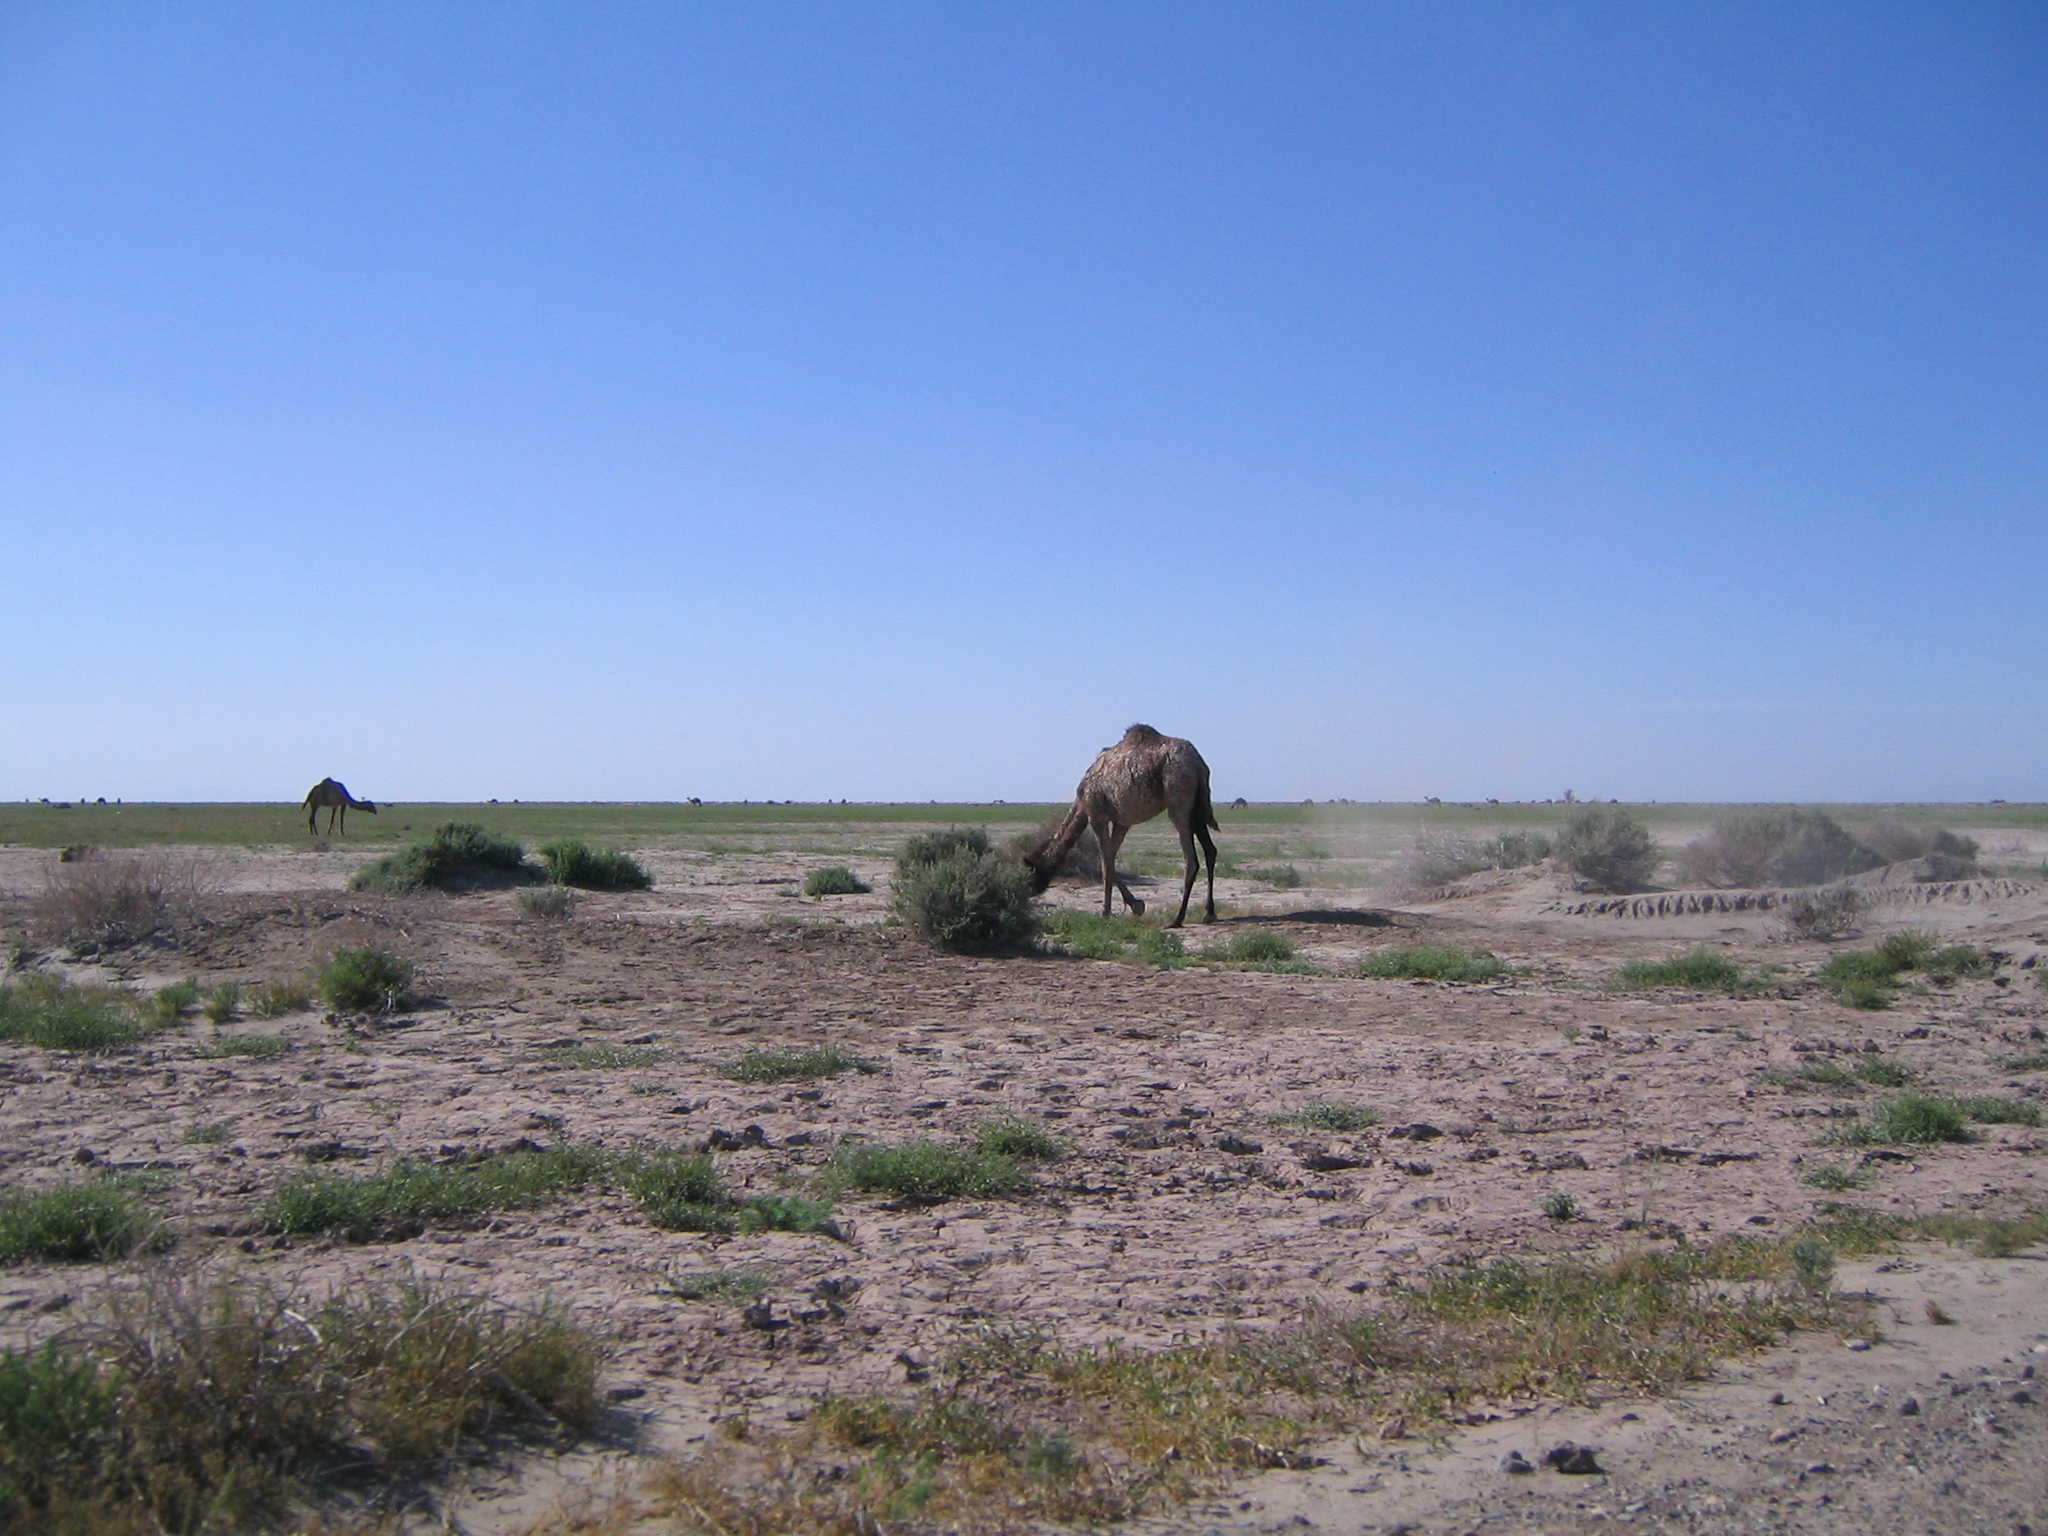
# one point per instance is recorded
(332, 796)
(1133, 781)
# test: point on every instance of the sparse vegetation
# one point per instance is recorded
(683, 1192)
(1118, 937)
(222, 1002)
(1438, 858)
(1560, 1206)
(835, 880)
(1013, 1136)
(100, 900)
(1838, 1178)
(571, 861)
(1782, 845)
(923, 1171)
(2033, 1061)
(549, 902)
(1869, 978)
(365, 981)
(951, 889)
(247, 1045)
(1906, 1119)
(1324, 1115)
(84, 1222)
(1432, 962)
(167, 1005)
(738, 1286)
(361, 1205)
(1703, 969)
(1252, 946)
(1855, 1230)
(1952, 857)
(1866, 1067)
(792, 1064)
(49, 1012)
(1608, 849)
(207, 1133)
(1281, 877)
(456, 854)
(1991, 1110)
(275, 999)
(1831, 913)
(603, 1056)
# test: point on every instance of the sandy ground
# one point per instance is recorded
(1646, 1108)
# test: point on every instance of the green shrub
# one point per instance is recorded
(1252, 946)
(413, 1190)
(961, 897)
(1884, 1073)
(207, 1133)
(548, 901)
(1561, 1207)
(168, 1004)
(2033, 1061)
(1839, 1178)
(456, 853)
(571, 861)
(1908, 1119)
(1015, 1137)
(275, 999)
(1987, 1110)
(1608, 849)
(793, 1064)
(222, 1002)
(1860, 992)
(786, 1213)
(1432, 962)
(58, 1424)
(835, 880)
(47, 1012)
(248, 1045)
(1702, 968)
(682, 1192)
(74, 1223)
(365, 981)
(1866, 978)
(1322, 1115)
(1780, 845)
(923, 1170)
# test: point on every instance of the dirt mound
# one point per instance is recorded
(1878, 893)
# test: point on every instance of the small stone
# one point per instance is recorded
(1776, 1399)
(1240, 1146)
(1783, 1435)
(1515, 1462)
(1910, 1407)
(1818, 1467)
(1859, 1345)
(1417, 1167)
(1573, 1460)
(2021, 1396)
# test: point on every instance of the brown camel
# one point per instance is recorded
(1133, 781)
(332, 796)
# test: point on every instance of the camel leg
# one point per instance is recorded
(312, 820)
(1187, 885)
(1208, 849)
(344, 818)
(1117, 835)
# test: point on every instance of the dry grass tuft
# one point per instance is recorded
(102, 900)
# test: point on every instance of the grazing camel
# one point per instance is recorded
(332, 796)
(1133, 781)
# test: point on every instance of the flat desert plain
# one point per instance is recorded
(1545, 1115)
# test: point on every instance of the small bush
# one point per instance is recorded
(58, 1425)
(570, 861)
(365, 981)
(923, 1171)
(795, 1064)
(248, 1045)
(552, 902)
(1908, 1119)
(1281, 877)
(222, 1002)
(1996, 1111)
(1703, 968)
(1323, 1115)
(2035, 1061)
(47, 1012)
(104, 900)
(1867, 978)
(738, 1286)
(74, 1223)
(1561, 1207)
(958, 895)
(682, 1192)
(1831, 913)
(1252, 946)
(412, 1190)
(835, 880)
(207, 1133)
(275, 999)
(1896, 844)
(1884, 1073)
(1784, 845)
(1015, 1137)
(1839, 1178)
(1432, 962)
(456, 854)
(167, 1005)
(1608, 849)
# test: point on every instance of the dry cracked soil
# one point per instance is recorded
(1182, 1209)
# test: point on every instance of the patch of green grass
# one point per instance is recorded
(365, 981)
(47, 1012)
(923, 1171)
(275, 999)
(835, 880)
(1703, 969)
(1119, 937)
(415, 1190)
(247, 1045)
(1839, 1178)
(551, 902)
(207, 1133)
(1854, 1230)
(454, 853)
(1013, 1136)
(683, 1192)
(2034, 1061)
(1988, 1110)
(75, 1223)
(1867, 978)
(601, 1056)
(571, 861)
(167, 1004)
(1432, 962)
(1252, 946)
(786, 1213)
(1906, 1119)
(222, 1002)
(1323, 1115)
(738, 1286)
(793, 1064)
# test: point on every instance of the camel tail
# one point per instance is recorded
(1205, 811)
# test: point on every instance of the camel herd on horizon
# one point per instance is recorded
(1142, 775)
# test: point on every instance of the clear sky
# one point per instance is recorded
(894, 402)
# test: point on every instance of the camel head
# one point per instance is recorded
(1043, 860)
(367, 805)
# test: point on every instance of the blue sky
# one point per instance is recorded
(893, 402)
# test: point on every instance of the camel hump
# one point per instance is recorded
(1141, 735)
